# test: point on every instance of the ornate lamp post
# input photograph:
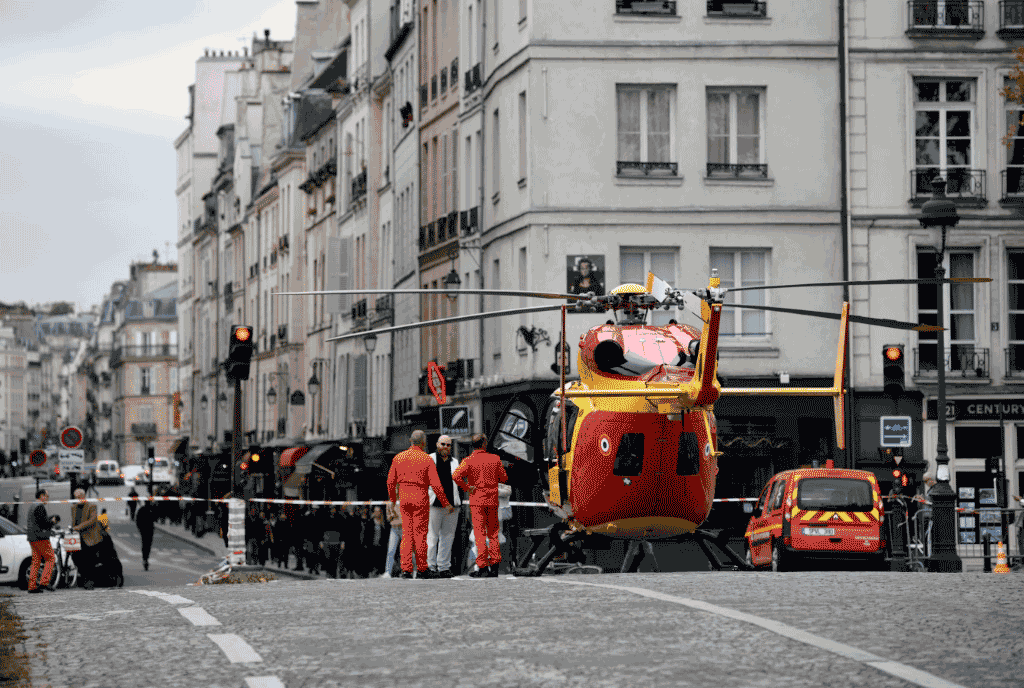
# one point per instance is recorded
(940, 213)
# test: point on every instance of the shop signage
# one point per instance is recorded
(979, 409)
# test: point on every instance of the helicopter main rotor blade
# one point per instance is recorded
(923, 280)
(443, 321)
(864, 320)
(446, 292)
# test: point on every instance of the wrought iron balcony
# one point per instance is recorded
(1011, 19)
(144, 429)
(1013, 186)
(633, 168)
(966, 359)
(964, 186)
(384, 309)
(359, 186)
(645, 7)
(946, 18)
(423, 237)
(359, 310)
(1015, 360)
(737, 8)
(430, 234)
(453, 224)
(120, 353)
(746, 170)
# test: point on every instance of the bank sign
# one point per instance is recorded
(979, 409)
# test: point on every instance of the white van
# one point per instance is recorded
(161, 470)
(108, 472)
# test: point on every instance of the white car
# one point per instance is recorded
(161, 471)
(15, 553)
(134, 475)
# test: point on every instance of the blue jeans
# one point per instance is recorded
(393, 540)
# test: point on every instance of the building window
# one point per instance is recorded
(497, 156)
(635, 263)
(145, 413)
(1015, 315)
(958, 319)
(943, 137)
(736, 133)
(522, 136)
(145, 378)
(645, 137)
(1013, 175)
(742, 268)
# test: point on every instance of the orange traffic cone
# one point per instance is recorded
(1001, 566)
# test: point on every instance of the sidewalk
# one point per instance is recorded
(212, 544)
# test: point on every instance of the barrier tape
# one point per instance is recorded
(286, 500)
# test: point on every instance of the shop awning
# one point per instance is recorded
(292, 486)
(290, 456)
(320, 455)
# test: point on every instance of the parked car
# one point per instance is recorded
(15, 554)
(133, 475)
(161, 471)
(108, 472)
(810, 514)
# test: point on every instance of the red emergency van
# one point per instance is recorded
(809, 514)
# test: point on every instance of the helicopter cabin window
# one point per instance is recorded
(629, 457)
(639, 352)
(962, 355)
(645, 136)
(742, 268)
(635, 263)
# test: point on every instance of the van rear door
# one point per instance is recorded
(836, 513)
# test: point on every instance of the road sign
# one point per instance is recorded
(71, 437)
(454, 420)
(37, 457)
(71, 460)
(895, 431)
(435, 380)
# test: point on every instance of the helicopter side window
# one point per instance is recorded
(572, 411)
(629, 457)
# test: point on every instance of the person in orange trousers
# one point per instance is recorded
(479, 475)
(414, 470)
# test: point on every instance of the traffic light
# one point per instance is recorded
(893, 369)
(240, 350)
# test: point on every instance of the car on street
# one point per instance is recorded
(15, 554)
(161, 468)
(108, 473)
(817, 514)
(133, 474)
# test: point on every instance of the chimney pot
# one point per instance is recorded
(266, 34)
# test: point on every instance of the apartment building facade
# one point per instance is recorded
(925, 102)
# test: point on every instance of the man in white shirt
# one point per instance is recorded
(442, 526)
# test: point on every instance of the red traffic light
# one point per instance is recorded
(242, 334)
(245, 466)
(896, 473)
(894, 353)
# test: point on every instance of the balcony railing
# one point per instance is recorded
(963, 186)
(947, 18)
(423, 237)
(359, 186)
(1011, 19)
(144, 429)
(442, 226)
(966, 359)
(430, 234)
(359, 310)
(143, 351)
(453, 224)
(737, 8)
(1013, 186)
(1014, 360)
(645, 7)
(384, 309)
(746, 170)
(473, 78)
(632, 168)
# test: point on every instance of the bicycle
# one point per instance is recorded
(65, 571)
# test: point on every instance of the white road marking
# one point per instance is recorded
(170, 599)
(903, 671)
(198, 616)
(263, 682)
(236, 649)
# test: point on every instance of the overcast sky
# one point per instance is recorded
(92, 95)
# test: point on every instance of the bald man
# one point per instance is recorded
(414, 471)
(443, 523)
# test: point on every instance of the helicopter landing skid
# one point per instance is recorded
(705, 538)
(559, 537)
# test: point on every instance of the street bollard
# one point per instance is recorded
(236, 532)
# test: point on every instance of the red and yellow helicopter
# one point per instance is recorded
(631, 448)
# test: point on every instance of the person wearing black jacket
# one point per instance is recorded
(39, 524)
(144, 520)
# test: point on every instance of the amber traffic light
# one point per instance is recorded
(240, 350)
(893, 369)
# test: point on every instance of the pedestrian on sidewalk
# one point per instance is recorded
(133, 503)
(479, 475)
(85, 521)
(145, 520)
(281, 537)
(376, 542)
(39, 525)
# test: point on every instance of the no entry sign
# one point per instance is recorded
(37, 457)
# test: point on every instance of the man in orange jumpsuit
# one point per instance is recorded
(414, 470)
(479, 475)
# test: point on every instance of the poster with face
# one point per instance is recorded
(585, 273)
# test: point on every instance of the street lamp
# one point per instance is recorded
(204, 403)
(940, 213)
(452, 281)
(222, 401)
(314, 389)
(271, 396)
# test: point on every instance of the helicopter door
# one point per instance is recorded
(513, 437)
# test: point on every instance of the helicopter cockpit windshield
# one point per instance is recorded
(641, 351)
